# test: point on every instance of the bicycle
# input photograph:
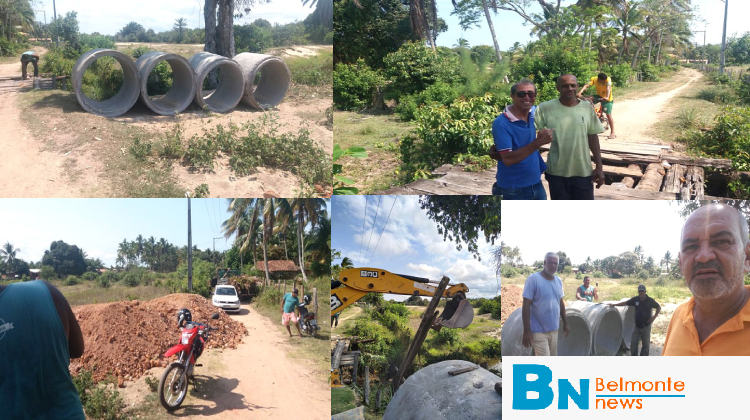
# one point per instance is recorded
(599, 110)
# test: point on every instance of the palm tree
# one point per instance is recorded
(667, 259)
(347, 262)
(179, 24)
(305, 210)
(8, 254)
(320, 241)
(257, 208)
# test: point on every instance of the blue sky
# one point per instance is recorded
(509, 26)
(109, 17)
(595, 229)
(410, 243)
(99, 225)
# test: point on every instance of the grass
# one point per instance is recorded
(379, 135)
(342, 399)
(309, 350)
(86, 293)
(674, 290)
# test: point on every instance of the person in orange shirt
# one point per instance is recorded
(714, 257)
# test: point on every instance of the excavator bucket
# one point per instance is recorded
(457, 314)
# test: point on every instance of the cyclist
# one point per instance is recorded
(603, 85)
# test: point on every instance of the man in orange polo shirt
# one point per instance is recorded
(714, 257)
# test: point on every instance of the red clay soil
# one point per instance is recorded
(512, 299)
(125, 339)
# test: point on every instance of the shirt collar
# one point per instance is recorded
(512, 118)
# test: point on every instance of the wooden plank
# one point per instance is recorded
(367, 385)
(693, 161)
(611, 192)
(620, 171)
(675, 179)
(439, 187)
(336, 357)
(652, 178)
(695, 177)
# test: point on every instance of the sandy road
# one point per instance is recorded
(26, 170)
(257, 380)
(635, 118)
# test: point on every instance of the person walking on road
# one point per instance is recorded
(643, 305)
(290, 304)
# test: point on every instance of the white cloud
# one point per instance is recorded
(424, 270)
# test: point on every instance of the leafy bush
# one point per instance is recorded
(131, 279)
(160, 79)
(649, 72)
(99, 402)
(103, 281)
(153, 383)
(439, 93)
(447, 336)
(47, 273)
(89, 275)
(718, 95)
(661, 281)
(414, 67)
(97, 41)
(507, 271)
(488, 306)
(599, 275)
(463, 127)
(10, 49)
(547, 62)
(643, 275)
(354, 85)
(139, 149)
(103, 79)
(619, 73)
(138, 52)
(729, 138)
(490, 348)
(70, 281)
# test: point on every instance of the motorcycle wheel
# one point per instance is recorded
(173, 387)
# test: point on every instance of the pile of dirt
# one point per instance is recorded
(125, 339)
(512, 300)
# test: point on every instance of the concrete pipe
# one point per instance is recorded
(274, 79)
(432, 394)
(182, 92)
(227, 95)
(627, 313)
(578, 341)
(125, 97)
(606, 327)
(511, 336)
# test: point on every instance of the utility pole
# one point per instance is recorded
(54, 10)
(724, 37)
(190, 248)
(215, 248)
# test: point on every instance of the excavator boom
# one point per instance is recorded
(357, 282)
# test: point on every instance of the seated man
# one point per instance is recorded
(26, 58)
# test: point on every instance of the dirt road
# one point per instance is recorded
(634, 119)
(26, 170)
(257, 380)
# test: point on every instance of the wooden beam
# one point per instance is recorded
(652, 179)
(675, 179)
(693, 161)
(337, 352)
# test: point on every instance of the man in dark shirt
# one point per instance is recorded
(643, 319)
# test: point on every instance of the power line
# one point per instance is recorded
(363, 231)
(381, 232)
(213, 228)
(372, 228)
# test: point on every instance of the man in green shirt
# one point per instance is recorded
(26, 58)
(290, 304)
(569, 172)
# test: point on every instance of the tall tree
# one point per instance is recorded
(179, 24)
(8, 254)
(469, 12)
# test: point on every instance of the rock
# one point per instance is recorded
(271, 194)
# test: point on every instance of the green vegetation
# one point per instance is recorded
(100, 401)
(342, 399)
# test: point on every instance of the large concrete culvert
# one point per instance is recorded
(627, 313)
(606, 327)
(125, 97)
(228, 93)
(578, 341)
(433, 394)
(274, 79)
(511, 336)
(182, 92)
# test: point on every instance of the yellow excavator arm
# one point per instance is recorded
(357, 282)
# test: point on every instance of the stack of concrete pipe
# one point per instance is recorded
(236, 82)
(606, 327)
(577, 343)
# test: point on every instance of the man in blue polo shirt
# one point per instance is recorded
(517, 143)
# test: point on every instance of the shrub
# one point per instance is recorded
(139, 149)
(70, 281)
(47, 273)
(99, 402)
(649, 72)
(718, 95)
(355, 85)
(464, 127)
(89, 275)
(131, 279)
(729, 138)
(687, 117)
(439, 93)
(643, 275)
(490, 348)
(414, 67)
(138, 52)
(447, 336)
(619, 73)
(103, 281)
(599, 275)
(507, 271)
(661, 281)
(153, 383)
(97, 41)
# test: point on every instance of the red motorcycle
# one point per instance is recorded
(173, 384)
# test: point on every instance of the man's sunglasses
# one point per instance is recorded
(531, 94)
